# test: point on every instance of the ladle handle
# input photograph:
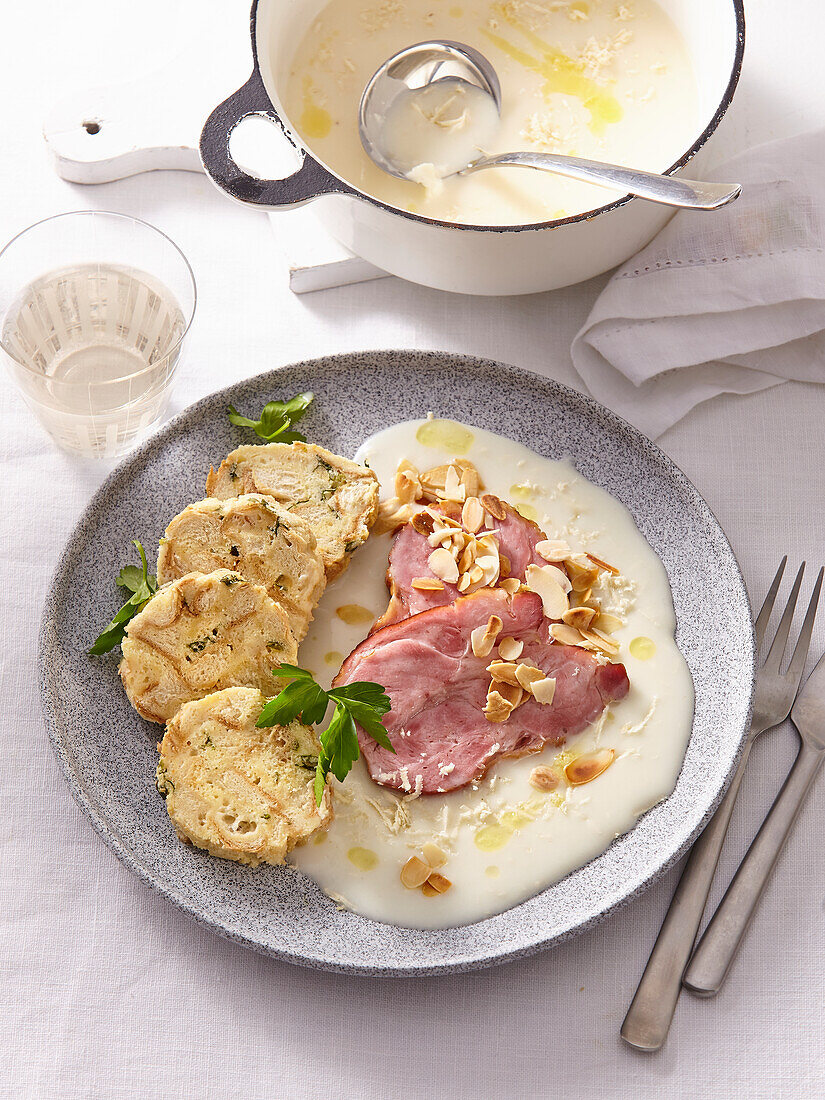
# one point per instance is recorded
(668, 190)
(308, 182)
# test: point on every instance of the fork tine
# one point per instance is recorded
(777, 650)
(800, 653)
(764, 615)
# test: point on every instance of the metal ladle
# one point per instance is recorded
(427, 63)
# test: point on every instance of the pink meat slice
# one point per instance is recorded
(517, 539)
(438, 688)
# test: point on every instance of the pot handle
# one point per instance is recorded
(308, 182)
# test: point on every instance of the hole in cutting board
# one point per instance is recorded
(259, 147)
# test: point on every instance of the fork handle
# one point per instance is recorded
(651, 1011)
(716, 951)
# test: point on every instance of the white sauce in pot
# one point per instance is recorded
(606, 79)
(504, 840)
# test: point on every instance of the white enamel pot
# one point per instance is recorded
(466, 259)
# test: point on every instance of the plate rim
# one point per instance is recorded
(109, 833)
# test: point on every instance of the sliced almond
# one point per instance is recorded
(472, 514)
(476, 574)
(428, 584)
(603, 565)
(443, 564)
(391, 515)
(439, 883)
(510, 648)
(483, 637)
(544, 778)
(415, 873)
(504, 565)
(470, 478)
(464, 582)
(511, 585)
(453, 489)
(540, 579)
(553, 550)
(579, 617)
(589, 766)
(503, 672)
(497, 708)
(581, 577)
(566, 635)
(513, 695)
(468, 556)
(422, 522)
(528, 675)
(407, 484)
(434, 855)
(607, 623)
(601, 641)
(544, 691)
(493, 506)
(430, 891)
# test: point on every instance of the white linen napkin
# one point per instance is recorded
(729, 301)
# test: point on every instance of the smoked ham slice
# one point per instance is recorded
(438, 689)
(516, 536)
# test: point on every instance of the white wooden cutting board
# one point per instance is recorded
(154, 121)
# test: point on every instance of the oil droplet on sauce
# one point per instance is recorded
(642, 648)
(353, 614)
(492, 871)
(363, 858)
(490, 838)
(334, 658)
(445, 434)
(528, 511)
(319, 838)
(315, 122)
(516, 819)
(523, 492)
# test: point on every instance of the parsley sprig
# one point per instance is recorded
(276, 419)
(364, 703)
(143, 585)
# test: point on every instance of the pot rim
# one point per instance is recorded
(587, 215)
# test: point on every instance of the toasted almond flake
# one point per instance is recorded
(391, 515)
(581, 577)
(504, 672)
(443, 564)
(566, 635)
(553, 550)
(434, 855)
(415, 873)
(453, 489)
(504, 565)
(470, 477)
(472, 514)
(439, 883)
(515, 696)
(427, 584)
(603, 565)
(601, 641)
(544, 778)
(407, 484)
(606, 623)
(589, 766)
(468, 556)
(422, 522)
(544, 691)
(497, 708)
(511, 585)
(553, 597)
(429, 891)
(510, 648)
(464, 582)
(486, 562)
(527, 675)
(493, 506)
(579, 617)
(476, 573)
(483, 637)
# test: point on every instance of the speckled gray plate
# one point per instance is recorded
(108, 754)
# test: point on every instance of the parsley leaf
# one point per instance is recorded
(143, 585)
(277, 419)
(364, 703)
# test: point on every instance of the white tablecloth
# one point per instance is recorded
(106, 990)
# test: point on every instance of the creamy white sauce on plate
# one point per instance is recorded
(504, 840)
(606, 79)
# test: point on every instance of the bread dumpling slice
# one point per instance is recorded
(199, 634)
(240, 792)
(337, 497)
(256, 537)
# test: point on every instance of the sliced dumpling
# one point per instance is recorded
(337, 497)
(240, 792)
(256, 537)
(201, 633)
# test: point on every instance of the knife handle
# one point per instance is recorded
(716, 951)
(651, 1011)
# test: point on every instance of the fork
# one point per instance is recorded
(651, 1011)
(717, 948)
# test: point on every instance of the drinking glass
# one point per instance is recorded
(95, 307)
